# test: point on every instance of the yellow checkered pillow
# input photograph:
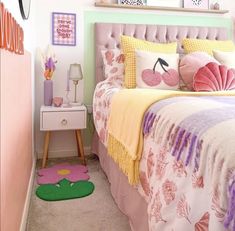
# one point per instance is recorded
(129, 45)
(192, 45)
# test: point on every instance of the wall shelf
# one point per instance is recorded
(160, 8)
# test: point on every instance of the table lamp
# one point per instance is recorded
(75, 74)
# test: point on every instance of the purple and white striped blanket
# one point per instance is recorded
(199, 131)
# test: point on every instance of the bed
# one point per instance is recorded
(176, 189)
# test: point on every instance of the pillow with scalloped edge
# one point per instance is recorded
(214, 77)
(157, 70)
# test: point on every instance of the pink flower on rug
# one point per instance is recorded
(54, 174)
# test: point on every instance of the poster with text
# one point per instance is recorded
(63, 29)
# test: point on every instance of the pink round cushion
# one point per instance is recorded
(214, 77)
(191, 63)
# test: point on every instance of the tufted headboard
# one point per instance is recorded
(107, 36)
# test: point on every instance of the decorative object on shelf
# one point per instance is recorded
(25, 8)
(75, 74)
(63, 29)
(170, 3)
(131, 2)
(215, 4)
(104, 1)
(48, 64)
(199, 4)
(57, 101)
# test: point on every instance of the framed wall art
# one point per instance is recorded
(63, 29)
(171, 3)
(199, 4)
(131, 2)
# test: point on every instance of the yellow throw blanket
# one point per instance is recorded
(125, 138)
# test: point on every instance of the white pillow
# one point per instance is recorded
(157, 70)
(225, 58)
(113, 61)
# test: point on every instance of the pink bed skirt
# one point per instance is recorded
(127, 197)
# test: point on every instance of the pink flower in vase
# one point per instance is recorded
(48, 61)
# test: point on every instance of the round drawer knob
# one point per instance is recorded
(64, 122)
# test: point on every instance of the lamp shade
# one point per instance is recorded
(75, 72)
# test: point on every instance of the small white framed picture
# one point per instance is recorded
(199, 4)
(131, 2)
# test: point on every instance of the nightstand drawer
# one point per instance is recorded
(63, 120)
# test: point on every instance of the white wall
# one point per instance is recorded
(63, 143)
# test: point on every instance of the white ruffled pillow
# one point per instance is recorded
(157, 70)
(225, 58)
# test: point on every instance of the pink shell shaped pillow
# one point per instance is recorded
(214, 77)
(190, 64)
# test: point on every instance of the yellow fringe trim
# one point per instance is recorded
(120, 155)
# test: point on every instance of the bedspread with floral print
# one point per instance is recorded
(101, 104)
(188, 164)
(183, 193)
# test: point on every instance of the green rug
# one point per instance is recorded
(65, 190)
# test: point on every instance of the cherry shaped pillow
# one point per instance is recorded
(157, 70)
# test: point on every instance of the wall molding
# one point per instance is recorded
(61, 153)
(24, 218)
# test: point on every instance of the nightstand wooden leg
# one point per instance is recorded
(45, 151)
(79, 153)
(80, 145)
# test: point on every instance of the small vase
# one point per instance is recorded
(48, 92)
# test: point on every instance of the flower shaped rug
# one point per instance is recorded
(54, 174)
(65, 190)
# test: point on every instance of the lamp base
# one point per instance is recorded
(73, 104)
(67, 105)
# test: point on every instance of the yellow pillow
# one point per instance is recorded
(192, 45)
(129, 44)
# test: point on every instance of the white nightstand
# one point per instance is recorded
(61, 118)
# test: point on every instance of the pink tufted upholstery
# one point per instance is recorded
(107, 36)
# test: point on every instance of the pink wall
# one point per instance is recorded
(16, 136)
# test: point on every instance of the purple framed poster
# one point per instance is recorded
(63, 29)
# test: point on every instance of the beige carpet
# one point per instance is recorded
(97, 212)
